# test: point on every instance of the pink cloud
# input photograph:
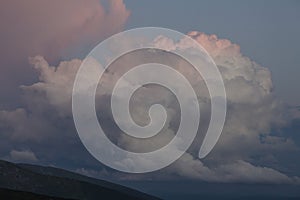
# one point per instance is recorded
(52, 28)
(49, 27)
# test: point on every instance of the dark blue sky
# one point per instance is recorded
(267, 31)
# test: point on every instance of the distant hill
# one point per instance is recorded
(60, 184)
(20, 195)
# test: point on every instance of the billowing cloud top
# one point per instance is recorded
(52, 28)
(252, 113)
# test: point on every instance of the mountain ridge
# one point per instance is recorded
(29, 178)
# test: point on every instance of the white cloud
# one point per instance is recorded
(252, 112)
(235, 171)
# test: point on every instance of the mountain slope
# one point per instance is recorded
(20, 195)
(71, 186)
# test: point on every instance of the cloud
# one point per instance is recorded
(19, 125)
(253, 113)
(52, 28)
(23, 156)
(236, 171)
(55, 86)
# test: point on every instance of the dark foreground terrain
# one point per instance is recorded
(14, 194)
(20, 181)
(32, 182)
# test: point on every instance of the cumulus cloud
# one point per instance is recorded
(23, 156)
(236, 171)
(52, 28)
(19, 125)
(253, 112)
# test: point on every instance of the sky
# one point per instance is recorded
(255, 45)
(268, 32)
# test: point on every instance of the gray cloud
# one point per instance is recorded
(23, 156)
(253, 112)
